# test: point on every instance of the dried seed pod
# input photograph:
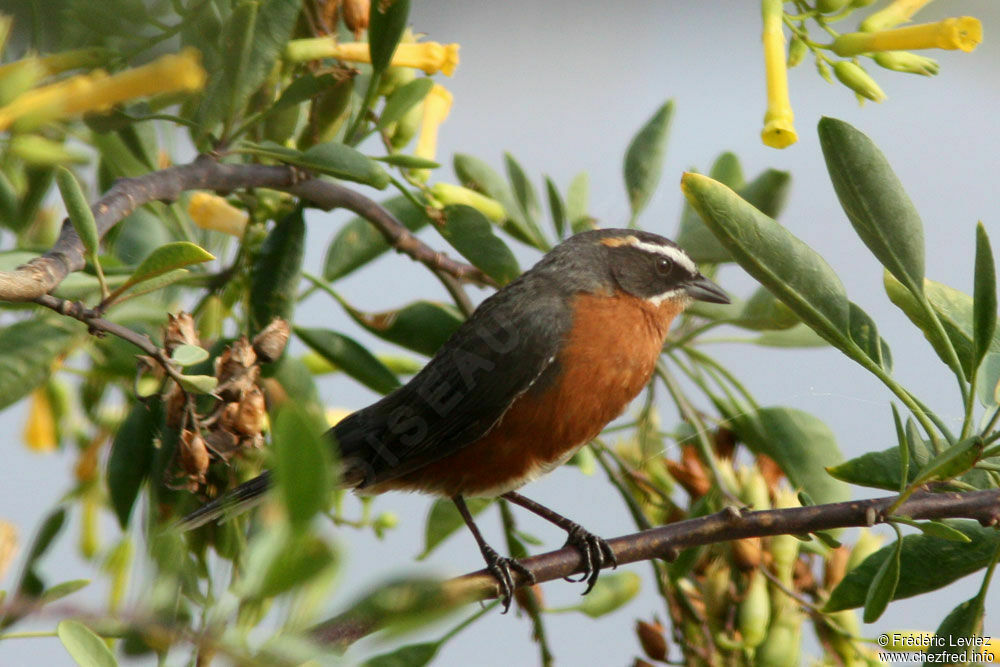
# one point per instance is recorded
(222, 442)
(271, 341)
(652, 639)
(180, 330)
(746, 553)
(176, 402)
(249, 418)
(193, 455)
(355, 13)
(236, 370)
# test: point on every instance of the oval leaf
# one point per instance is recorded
(609, 593)
(302, 463)
(132, 456)
(199, 384)
(29, 349)
(444, 519)
(644, 158)
(793, 271)
(412, 655)
(421, 326)
(275, 274)
(403, 99)
(85, 647)
(189, 355)
(557, 208)
(883, 585)
(358, 242)
(874, 201)
(470, 233)
(479, 176)
(525, 193)
(960, 628)
(387, 22)
(984, 300)
(164, 259)
(578, 203)
(78, 209)
(693, 235)
(348, 355)
(926, 564)
(280, 561)
(951, 462)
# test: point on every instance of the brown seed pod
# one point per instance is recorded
(180, 330)
(652, 639)
(249, 419)
(355, 13)
(271, 341)
(193, 455)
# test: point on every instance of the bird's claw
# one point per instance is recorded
(596, 553)
(501, 568)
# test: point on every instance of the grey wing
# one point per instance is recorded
(460, 394)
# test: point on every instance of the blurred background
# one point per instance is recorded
(563, 86)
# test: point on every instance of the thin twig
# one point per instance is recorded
(727, 525)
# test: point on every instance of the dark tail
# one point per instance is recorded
(237, 501)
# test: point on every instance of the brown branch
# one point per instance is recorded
(43, 274)
(666, 541)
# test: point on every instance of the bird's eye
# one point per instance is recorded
(664, 266)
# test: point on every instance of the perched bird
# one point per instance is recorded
(535, 373)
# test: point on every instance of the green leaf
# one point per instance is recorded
(470, 233)
(78, 210)
(798, 336)
(402, 100)
(444, 519)
(276, 270)
(152, 285)
(331, 158)
(984, 308)
(253, 38)
(302, 463)
(164, 259)
(762, 312)
(60, 591)
(988, 379)
(524, 191)
(864, 333)
(358, 242)
(479, 176)
(85, 647)
(940, 530)
(189, 355)
(951, 462)
(612, 591)
(387, 22)
(348, 355)
(882, 470)
(801, 444)
(557, 208)
(281, 560)
(132, 456)
(644, 158)
(421, 326)
(412, 655)
(405, 604)
(29, 349)
(883, 585)
(785, 265)
(199, 384)
(408, 161)
(964, 622)
(304, 87)
(768, 192)
(578, 203)
(953, 308)
(693, 235)
(926, 564)
(874, 201)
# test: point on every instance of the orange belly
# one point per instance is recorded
(609, 356)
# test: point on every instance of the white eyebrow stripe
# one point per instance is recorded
(669, 294)
(676, 254)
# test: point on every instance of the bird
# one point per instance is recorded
(535, 373)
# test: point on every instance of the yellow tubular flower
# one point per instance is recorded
(897, 12)
(778, 131)
(97, 91)
(963, 33)
(40, 429)
(448, 193)
(8, 545)
(431, 57)
(213, 212)
(437, 105)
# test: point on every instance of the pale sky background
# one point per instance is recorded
(564, 86)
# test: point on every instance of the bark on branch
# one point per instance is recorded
(666, 541)
(43, 274)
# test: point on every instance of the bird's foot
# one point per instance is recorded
(503, 568)
(596, 553)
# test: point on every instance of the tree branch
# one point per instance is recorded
(665, 542)
(43, 274)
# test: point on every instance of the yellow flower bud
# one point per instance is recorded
(778, 131)
(8, 545)
(904, 61)
(797, 50)
(855, 78)
(962, 33)
(437, 106)
(431, 57)
(213, 212)
(447, 193)
(40, 428)
(898, 11)
(830, 6)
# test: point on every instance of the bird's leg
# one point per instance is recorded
(499, 566)
(595, 550)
